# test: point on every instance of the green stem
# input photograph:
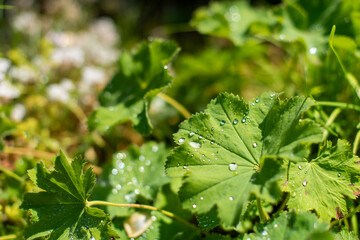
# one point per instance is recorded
(356, 142)
(134, 205)
(353, 82)
(8, 237)
(354, 224)
(175, 104)
(330, 120)
(341, 105)
(264, 217)
(11, 174)
(283, 204)
(356, 210)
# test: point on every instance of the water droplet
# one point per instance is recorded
(222, 123)
(181, 140)
(253, 103)
(235, 121)
(264, 233)
(275, 225)
(141, 169)
(257, 100)
(165, 67)
(313, 50)
(231, 198)
(194, 206)
(200, 137)
(282, 36)
(339, 174)
(185, 166)
(304, 183)
(191, 134)
(272, 95)
(252, 179)
(254, 145)
(243, 120)
(136, 191)
(92, 238)
(114, 171)
(148, 162)
(118, 187)
(212, 142)
(120, 155)
(201, 198)
(233, 166)
(155, 148)
(114, 191)
(142, 158)
(300, 167)
(195, 144)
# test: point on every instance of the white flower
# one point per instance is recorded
(105, 30)
(102, 55)
(67, 84)
(18, 112)
(56, 92)
(92, 75)
(23, 73)
(8, 91)
(27, 22)
(4, 65)
(72, 56)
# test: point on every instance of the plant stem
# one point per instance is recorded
(354, 224)
(263, 214)
(341, 105)
(175, 104)
(283, 204)
(134, 205)
(357, 209)
(330, 120)
(8, 237)
(11, 174)
(356, 142)
(29, 152)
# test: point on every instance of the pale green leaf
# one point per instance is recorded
(322, 183)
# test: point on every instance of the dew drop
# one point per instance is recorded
(304, 183)
(181, 140)
(233, 166)
(194, 206)
(142, 158)
(300, 167)
(114, 171)
(121, 164)
(222, 123)
(165, 67)
(191, 134)
(118, 187)
(141, 169)
(231, 198)
(257, 100)
(200, 137)
(114, 191)
(155, 148)
(264, 233)
(201, 198)
(120, 155)
(92, 238)
(185, 166)
(235, 121)
(339, 174)
(272, 95)
(136, 191)
(212, 142)
(254, 145)
(313, 50)
(275, 225)
(195, 144)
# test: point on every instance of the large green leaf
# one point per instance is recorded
(292, 226)
(142, 74)
(60, 211)
(135, 174)
(322, 183)
(229, 151)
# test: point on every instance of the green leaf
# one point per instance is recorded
(346, 235)
(229, 151)
(60, 211)
(322, 183)
(292, 226)
(230, 19)
(142, 74)
(135, 174)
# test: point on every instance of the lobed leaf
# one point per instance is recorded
(322, 183)
(60, 211)
(142, 74)
(229, 152)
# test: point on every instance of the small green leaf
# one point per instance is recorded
(229, 151)
(292, 226)
(60, 211)
(127, 96)
(322, 183)
(346, 235)
(136, 173)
